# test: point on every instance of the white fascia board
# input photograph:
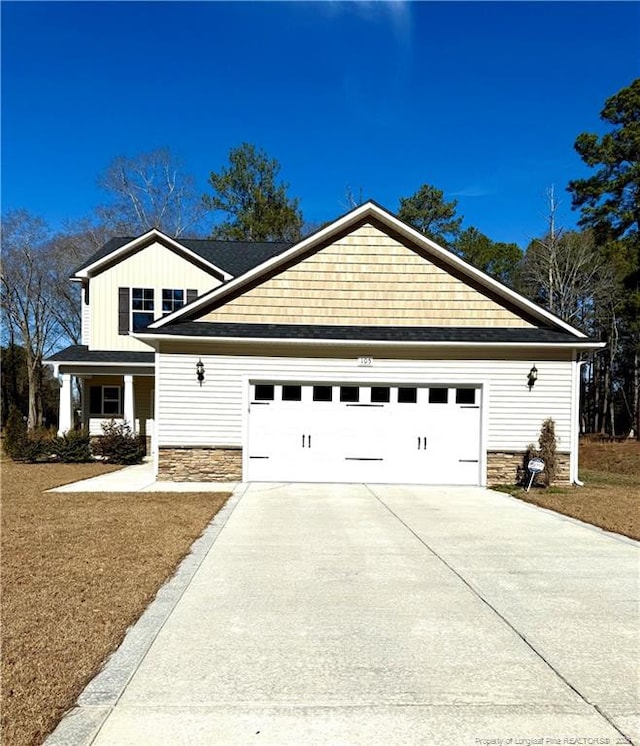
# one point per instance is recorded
(86, 363)
(370, 209)
(154, 233)
(370, 343)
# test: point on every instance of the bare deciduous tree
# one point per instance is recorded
(568, 273)
(27, 298)
(66, 251)
(150, 190)
(570, 276)
(351, 199)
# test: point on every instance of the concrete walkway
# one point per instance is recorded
(140, 478)
(356, 614)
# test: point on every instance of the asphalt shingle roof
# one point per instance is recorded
(234, 257)
(82, 354)
(482, 335)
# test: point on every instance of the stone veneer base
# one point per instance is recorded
(224, 464)
(200, 464)
(507, 467)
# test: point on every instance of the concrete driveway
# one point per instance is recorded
(364, 614)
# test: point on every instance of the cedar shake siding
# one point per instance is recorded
(366, 278)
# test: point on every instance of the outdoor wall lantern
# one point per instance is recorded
(200, 371)
(532, 377)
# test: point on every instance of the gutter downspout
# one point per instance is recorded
(578, 379)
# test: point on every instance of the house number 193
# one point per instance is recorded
(365, 361)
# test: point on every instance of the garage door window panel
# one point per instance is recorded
(291, 393)
(407, 395)
(380, 394)
(349, 394)
(438, 396)
(465, 396)
(322, 393)
(264, 392)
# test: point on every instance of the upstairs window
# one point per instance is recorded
(172, 300)
(137, 307)
(142, 308)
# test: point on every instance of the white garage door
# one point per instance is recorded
(364, 433)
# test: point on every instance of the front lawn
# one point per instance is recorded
(77, 570)
(611, 495)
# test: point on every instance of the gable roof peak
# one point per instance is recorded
(345, 223)
(107, 255)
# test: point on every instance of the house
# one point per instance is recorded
(363, 353)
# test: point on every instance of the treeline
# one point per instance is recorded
(590, 277)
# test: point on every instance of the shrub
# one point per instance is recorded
(22, 445)
(37, 445)
(72, 447)
(118, 445)
(548, 451)
(15, 434)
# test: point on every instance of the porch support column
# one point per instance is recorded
(84, 402)
(65, 413)
(128, 403)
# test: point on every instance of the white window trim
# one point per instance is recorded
(102, 413)
(172, 290)
(132, 312)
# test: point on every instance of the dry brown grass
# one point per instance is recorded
(77, 570)
(611, 495)
(617, 459)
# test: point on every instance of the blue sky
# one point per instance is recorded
(482, 100)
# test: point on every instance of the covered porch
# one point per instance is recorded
(94, 390)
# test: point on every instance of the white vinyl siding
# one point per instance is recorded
(213, 414)
(153, 267)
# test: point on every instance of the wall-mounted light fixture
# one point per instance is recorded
(200, 371)
(532, 377)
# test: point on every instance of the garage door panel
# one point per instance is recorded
(370, 433)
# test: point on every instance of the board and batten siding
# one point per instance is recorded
(85, 317)
(155, 267)
(212, 414)
(366, 278)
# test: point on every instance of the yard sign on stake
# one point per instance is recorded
(535, 466)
